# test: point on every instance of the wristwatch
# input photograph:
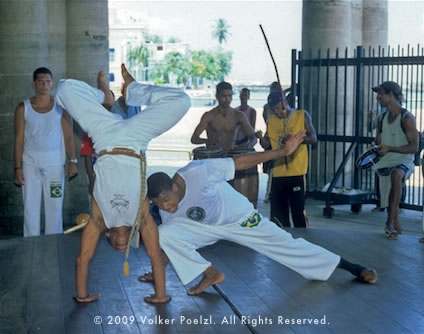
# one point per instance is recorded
(74, 160)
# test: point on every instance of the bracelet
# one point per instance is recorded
(74, 160)
(16, 168)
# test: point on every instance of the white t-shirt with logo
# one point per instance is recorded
(209, 198)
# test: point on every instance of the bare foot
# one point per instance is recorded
(398, 229)
(127, 78)
(368, 276)
(211, 276)
(146, 277)
(88, 299)
(102, 85)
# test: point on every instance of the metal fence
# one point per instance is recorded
(336, 90)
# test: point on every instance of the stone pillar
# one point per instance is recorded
(330, 25)
(70, 37)
(87, 52)
(30, 34)
(326, 24)
(87, 39)
(375, 23)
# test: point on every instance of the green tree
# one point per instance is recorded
(223, 60)
(174, 64)
(174, 39)
(178, 65)
(221, 31)
(139, 56)
(158, 75)
(152, 38)
(203, 66)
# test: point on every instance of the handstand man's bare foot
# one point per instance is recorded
(211, 276)
(368, 276)
(127, 78)
(102, 85)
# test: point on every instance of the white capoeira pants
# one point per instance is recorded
(180, 238)
(49, 183)
(164, 107)
(117, 185)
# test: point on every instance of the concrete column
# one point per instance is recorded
(27, 43)
(87, 52)
(87, 39)
(326, 24)
(374, 23)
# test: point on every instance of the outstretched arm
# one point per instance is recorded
(250, 160)
(89, 239)
(150, 235)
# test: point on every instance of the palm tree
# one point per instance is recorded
(220, 31)
(173, 39)
(223, 60)
(139, 55)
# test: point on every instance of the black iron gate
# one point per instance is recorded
(336, 90)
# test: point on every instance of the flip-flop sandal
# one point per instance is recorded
(422, 240)
(368, 276)
(143, 278)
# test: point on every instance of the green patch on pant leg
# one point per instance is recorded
(56, 189)
(252, 221)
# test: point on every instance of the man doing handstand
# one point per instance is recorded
(120, 145)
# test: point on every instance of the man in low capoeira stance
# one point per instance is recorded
(198, 207)
(120, 144)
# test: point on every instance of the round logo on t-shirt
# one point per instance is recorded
(196, 213)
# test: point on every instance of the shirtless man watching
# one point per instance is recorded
(221, 122)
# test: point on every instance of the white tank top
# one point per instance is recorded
(43, 141)
(393, 135)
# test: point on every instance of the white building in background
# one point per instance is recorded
(127, 31)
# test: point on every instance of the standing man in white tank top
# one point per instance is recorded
(397, 137)
(43, 130)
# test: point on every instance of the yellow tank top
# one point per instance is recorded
(296, 163)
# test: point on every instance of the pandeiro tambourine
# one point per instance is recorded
(368, 158)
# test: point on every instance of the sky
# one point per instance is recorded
(193, 21)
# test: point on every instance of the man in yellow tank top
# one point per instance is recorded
(288, 174)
